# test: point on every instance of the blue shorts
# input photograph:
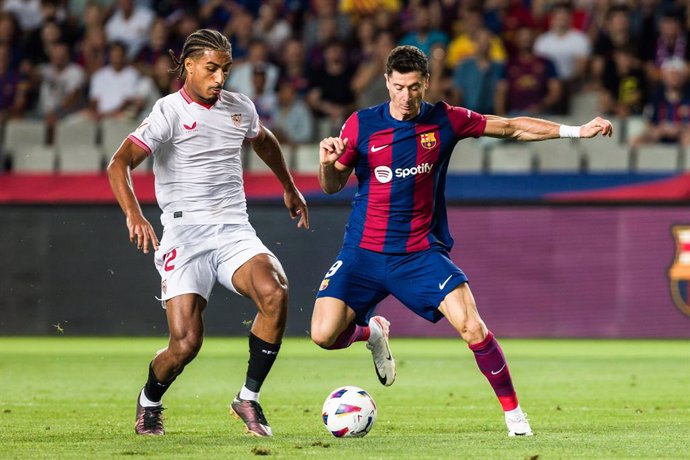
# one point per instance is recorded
(420, 280)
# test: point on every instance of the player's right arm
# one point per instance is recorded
(333, 175)
(128, 157)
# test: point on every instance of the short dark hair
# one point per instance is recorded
(406, 59)
(196, 43)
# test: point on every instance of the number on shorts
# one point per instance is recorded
(167, 260)
(334, 268)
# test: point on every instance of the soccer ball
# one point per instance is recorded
(349, 411)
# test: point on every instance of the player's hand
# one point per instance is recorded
(141, 233)
(297, 206)
(330, 150)
(596, 126)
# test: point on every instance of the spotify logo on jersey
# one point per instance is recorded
(383, 174)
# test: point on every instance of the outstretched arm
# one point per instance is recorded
(333, 175)
(128, 157)
(267, 147)
(537, 129)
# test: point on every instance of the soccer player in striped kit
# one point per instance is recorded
(195, 136)
(397, 239)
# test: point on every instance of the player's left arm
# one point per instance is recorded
(267, 147)
(537, 129)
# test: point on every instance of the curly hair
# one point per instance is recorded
(196, 43)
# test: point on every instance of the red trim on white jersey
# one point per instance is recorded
(140, 143)
(185, 95)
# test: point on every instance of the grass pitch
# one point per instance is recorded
(74, 398)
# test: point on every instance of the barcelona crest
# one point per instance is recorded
(679, 271)
(428, 140)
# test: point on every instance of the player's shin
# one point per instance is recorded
(492, 363)
(352, 333)
(262, 355)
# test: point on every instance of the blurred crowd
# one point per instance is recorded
(307, 64)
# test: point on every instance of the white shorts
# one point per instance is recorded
(191, 258)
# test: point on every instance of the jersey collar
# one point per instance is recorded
(185, 95)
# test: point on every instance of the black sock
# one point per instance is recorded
(154, 389)
(262, 355)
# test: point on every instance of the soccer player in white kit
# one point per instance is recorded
(195, 136)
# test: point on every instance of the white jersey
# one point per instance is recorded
(197, 156)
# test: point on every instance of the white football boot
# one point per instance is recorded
(517, 423)
(380, 350)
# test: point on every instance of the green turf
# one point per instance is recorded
(74, 398)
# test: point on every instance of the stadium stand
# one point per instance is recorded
(21, 135)
(113, 132)
(468, 157)
(657, 158)
(76, 146)
(509, 157)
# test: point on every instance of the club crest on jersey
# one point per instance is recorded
(236, 119)
(679, 271)
(324, 285)
(428, 140)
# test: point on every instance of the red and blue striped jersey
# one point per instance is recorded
(401, 169)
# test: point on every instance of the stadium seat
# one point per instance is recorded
(584, 105)
(508, 157)
(685, 159)
(35, 158)
(634, 126)
(113, 133)
(253, 163)
(307, 158)
(21, 134)
(560, 155)
(467, 157)
(602, 157)
(657, 158)
(76, 148)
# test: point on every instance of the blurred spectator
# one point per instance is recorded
(327, 33)
(330, 95)
(669, 119)
(241, 76)
(616, 34)
(272, 28)
(11, 36)
(41, 40)
(324, 10)
(368, 82)
(423, 36)
(476, 78)
(239, 32)
(27, 12)
(293, 122)
(567, 47)
(152, 87)
(529, 85)
(672, 42)
(157, 46)
(130, 25)
(624, 84)
(440, 78)
(92, 51)
(464, 44)
(216, 14)
(61, 88)
(112, 89)
(265, 98)
(364, 40)
(504, 17)
(14, 87)
(293, 67)
(358, 9)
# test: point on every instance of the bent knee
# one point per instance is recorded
(185, 349)
(322, 338)
(473, 331)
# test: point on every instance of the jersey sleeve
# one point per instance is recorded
(465, 122)
(350, 131)
(155, 130)
(254, 128)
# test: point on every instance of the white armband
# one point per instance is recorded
(569, 131)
